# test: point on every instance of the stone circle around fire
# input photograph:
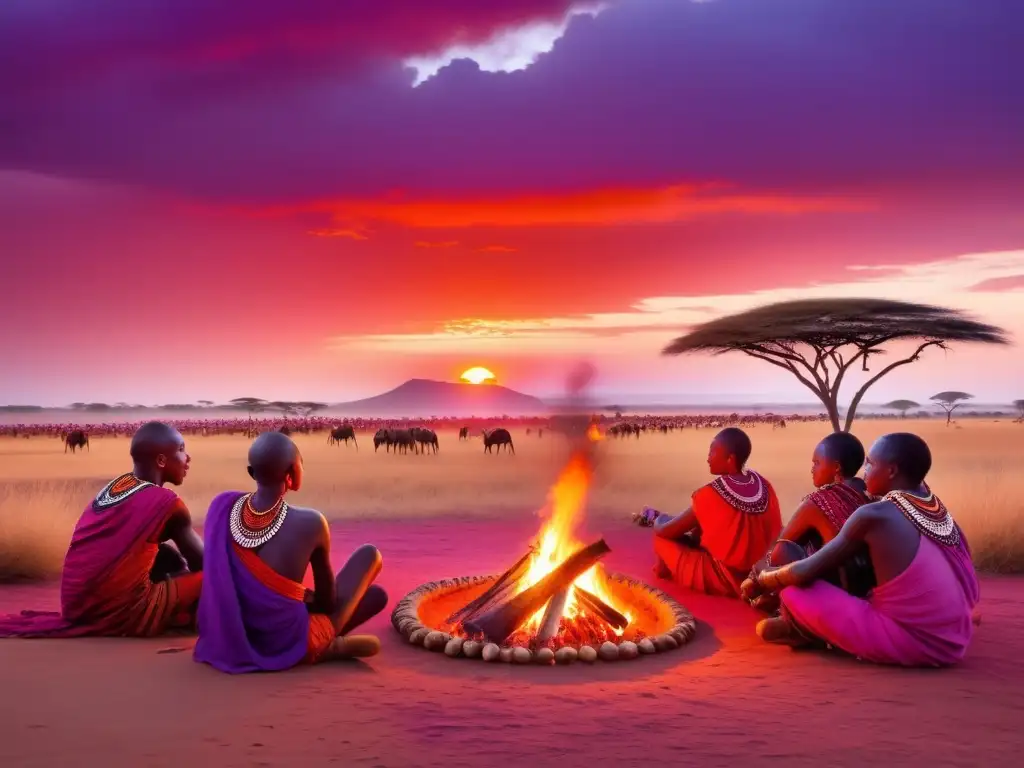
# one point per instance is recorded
(659, 624)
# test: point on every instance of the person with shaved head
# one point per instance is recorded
(839, 493)
(921, 611)
(134, 565)
(255, 615)
(729, 525)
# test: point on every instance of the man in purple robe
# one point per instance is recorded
(254, 613)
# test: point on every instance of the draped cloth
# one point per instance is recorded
(105, 583)
(733, 535)
(252, 619)
(922, 617)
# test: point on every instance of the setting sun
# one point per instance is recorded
(478, 375)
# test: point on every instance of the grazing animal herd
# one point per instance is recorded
(397, 435)
(416, 439)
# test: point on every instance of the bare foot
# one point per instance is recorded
(775, 631)
(355, 647)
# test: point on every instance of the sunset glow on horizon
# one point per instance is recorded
(320, 203)
(478, 375)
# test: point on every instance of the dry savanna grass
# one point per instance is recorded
(42, 490)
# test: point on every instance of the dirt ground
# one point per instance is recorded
(725, 699)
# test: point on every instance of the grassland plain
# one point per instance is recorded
(977, 472)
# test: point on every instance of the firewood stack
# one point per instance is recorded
(493, 626)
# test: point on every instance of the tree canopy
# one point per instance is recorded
(819, 341)
(950, 401)
(902, 406)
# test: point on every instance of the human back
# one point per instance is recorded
(730, 523)
(255, 614)
(134, 563)
(291, 549)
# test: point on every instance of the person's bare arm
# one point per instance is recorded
(324, 597)
(803, 521)
(180, 531)
(676, 527)
(850, 538)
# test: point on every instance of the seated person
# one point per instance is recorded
(920, 614)
(254, 614)
(836, 461)
(730, 523)
(119, 578)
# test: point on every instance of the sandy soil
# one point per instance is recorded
(723, 700)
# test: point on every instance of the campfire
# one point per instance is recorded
(555, 603)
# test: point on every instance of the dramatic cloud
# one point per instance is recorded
(599, 207)
(258, 181)
(284, 102)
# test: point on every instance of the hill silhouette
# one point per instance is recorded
(424, 397)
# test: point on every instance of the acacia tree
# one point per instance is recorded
(950, 401)
(308, 407)
(820, 340)
(252, 405)
(902, 406)
(286, 407)
(1019, 405)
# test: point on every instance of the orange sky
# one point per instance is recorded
(207, 205)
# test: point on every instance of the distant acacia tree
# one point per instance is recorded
(1019, 405)
(307, 407)
(819, 340)
(252, 405)
(902, 406)
(950, 401)
(286, 407)
(205, 403)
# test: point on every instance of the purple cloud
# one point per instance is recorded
(999, 284)
(275, 102)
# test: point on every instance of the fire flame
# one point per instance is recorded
(557, 541)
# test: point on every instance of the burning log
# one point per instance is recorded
(495, 592)
(596, 605)
(498, 623)
(553, 616)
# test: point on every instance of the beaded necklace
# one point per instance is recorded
(837, 501)
(928, 514)
(250, 528)
(747, 496)
(117, 490)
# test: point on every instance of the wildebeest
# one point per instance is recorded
(624, 430)
(76, 438)
(425, 437)
(382, 437)
(343, 434)
(403, 440)
(499, 437)
(285, 430)
(463, 433)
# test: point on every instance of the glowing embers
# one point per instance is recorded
(657, 624)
